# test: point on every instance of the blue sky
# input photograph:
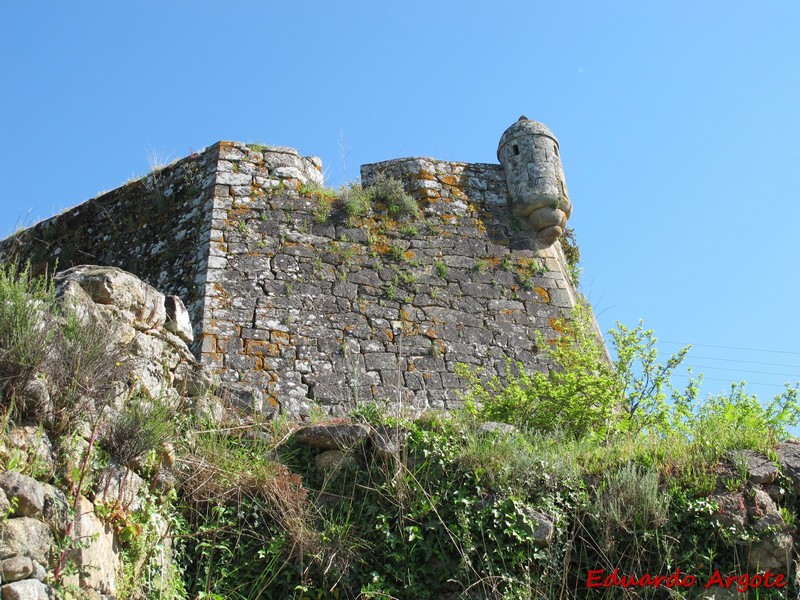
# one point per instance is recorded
(678, 123)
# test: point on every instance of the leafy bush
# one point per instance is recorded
(577, 396)
(738, 420)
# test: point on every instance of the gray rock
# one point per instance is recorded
(35, 444)
(543, 534)
(27, 491)
(100, 556)
(34, 401)
(16, 568)
(25, 536)
(335, 460)
(789, 457)
(111, 285)
(177, 319)
(774, 553)
(39, 572)
(192, 379)
(209, 408)
(772, 520)
(165, 479)
(150, 356)
(497, 428)
(119, 485)
(760, 470)
(29, 589)
(339, 436)
(762, 504)
(243, 396)
(732, 510)
(71, 453)
(5, 505)
(388, 442)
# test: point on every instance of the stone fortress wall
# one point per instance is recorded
(301, 303)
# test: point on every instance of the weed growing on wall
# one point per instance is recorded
(390, 193)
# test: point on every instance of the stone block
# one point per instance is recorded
(100, 558)
(25, 536)
(16, 568)
(28, 492)
(337, 436)
(29, 589)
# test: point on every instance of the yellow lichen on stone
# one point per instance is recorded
(543, 294)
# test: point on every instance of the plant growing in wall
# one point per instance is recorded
(390, 193)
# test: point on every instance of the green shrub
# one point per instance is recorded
(644, 382)
(629, 500)
(25, 333)
(738, 420)
(141, 427)
(84, 371)
(397, 253)
(390, 193)
(356, 200)
(578, 395)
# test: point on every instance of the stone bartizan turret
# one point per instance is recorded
(528, 152)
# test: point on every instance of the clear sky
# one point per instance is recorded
(678, 121)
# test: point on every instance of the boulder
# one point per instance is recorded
(39, 572)
(774, 553)
(245, 397)
(760, 470)
(34, 401)
(178, 321)
(98, 561)
(149, 357)
(29, 589)
(789, 457)
(27, 491)
(761, 504)
(16, 568)
(192, 379)
(388, 442)
(118, 485)
(26, 536)
(339, 436)
(32, 441)
(111, 285)
(335, 460)
(731, 511)
(543, 534)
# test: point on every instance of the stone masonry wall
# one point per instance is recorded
(290, 294)
(315, 306)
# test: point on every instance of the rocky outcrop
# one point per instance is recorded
(754, 506)
(146, 333)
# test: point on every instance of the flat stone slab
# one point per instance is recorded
(338, 436)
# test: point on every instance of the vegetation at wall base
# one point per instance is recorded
(607, 466)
